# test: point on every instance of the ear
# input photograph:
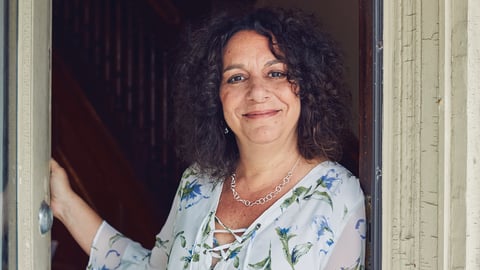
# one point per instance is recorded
(295, 88)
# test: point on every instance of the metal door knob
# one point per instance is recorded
(45, 218)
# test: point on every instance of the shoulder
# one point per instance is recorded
(194, 174)
(195, 187)
(338, 182)
(332, 175)
(326, 187)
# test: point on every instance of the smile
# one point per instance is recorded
(260, 114)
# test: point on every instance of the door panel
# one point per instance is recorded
(32, 131)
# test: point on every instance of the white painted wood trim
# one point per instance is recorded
(473, 136)
(431, 136)
(33, 130)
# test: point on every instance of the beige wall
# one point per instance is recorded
(340, 19)
(431, 136)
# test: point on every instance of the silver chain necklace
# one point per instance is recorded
(267, 197)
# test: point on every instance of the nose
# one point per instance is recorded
(259, 90)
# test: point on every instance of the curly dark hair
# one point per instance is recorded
(313, 64)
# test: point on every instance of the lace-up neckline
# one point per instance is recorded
(222, 251)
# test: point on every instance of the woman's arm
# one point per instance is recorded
(349, 251)
(78, 217)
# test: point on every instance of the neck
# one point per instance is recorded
(265, 165)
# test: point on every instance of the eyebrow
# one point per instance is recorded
(268, 64)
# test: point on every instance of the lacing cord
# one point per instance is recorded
(220, 252)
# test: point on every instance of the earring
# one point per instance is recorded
(225, 131)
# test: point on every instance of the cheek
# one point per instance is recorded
(230, 98)
(228, 104)
(223, 98)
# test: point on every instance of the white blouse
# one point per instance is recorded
(318, 224)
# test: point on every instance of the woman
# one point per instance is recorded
(260, 110)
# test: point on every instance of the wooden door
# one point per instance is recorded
(370, 136)
(29, 132)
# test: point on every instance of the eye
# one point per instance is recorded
(277, 74)
(235, 79)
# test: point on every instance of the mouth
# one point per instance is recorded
(261, 114)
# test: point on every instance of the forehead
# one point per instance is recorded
(245, 35)
(247, 43)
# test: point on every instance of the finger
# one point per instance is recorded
(53, 164)
(55, 168)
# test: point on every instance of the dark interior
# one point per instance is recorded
(112, 109)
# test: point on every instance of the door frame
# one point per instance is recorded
(29, 129)
(370, 122)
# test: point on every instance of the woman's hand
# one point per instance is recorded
(60, 189)
(77, 216)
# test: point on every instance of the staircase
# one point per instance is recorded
(112, 114)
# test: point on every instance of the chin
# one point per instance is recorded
(265, 135)
(264, 139)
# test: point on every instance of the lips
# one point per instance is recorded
(260, 114)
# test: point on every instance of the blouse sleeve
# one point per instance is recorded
(349, 251)
(111, 250)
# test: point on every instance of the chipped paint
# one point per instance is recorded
(431, 211)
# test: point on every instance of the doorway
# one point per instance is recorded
(126, 94)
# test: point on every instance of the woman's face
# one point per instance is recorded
(259, 104)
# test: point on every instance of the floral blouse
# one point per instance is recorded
(318, 224)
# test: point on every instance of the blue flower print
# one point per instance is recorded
(192, 257)
(112, 259)
(283, 232)
(327, 180)
(321, 226)
(324, 232)
(300, 232)
(191, 193)
(360, 226)
(234, 255)
(191, 190)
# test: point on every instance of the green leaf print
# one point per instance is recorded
(187, 173)
(206, 247)
(195, 257)
(183, 242)
(303, 193)
(192, 257)
(182, 239)
(301, 190)
(298, 251)
(207, 229)
(345, 211)
(114, 239)
(289, 201)
(234, 252)
(265, 264)
(236, 262)
(323, 196)
(159, 243)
